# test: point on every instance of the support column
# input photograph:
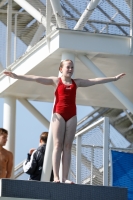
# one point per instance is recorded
(111, 87)
(9, 122)
(47, 164)
(9, 29)
(15, 37)
(48, 16)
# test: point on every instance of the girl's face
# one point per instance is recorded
(67, 69)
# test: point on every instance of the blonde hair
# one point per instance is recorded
(62, 62)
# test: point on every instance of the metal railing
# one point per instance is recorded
(18, 171)
(78, 136)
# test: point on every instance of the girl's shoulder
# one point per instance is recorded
(56, 80)
(77, 81)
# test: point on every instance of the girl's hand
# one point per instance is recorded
(9, 73)
(120, 76)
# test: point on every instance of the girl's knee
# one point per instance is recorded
(67, 147)
(58, 145)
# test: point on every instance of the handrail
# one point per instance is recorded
(87, 116)
(18, 166)
(90, 127)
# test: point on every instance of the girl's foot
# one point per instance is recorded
(56, 181)
(68, 181)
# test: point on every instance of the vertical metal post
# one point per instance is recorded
(105, 150)
(131, 18)
(47, 164)
(78, 160)
(92, 156)
(69, 173)
(15, 36)
(131, 25)
(48, 16)
(48, 21)
(9, 122)
(111, 169)
(107, 28)
(9, 28)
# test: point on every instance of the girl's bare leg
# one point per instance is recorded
(68, 139)
(58, 129)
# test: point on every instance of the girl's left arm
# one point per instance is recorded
(90, 82)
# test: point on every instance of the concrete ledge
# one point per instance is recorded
(60, 191)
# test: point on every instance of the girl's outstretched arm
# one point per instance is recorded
(89, 82)
(39, 79)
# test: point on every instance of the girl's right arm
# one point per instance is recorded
(39, 79)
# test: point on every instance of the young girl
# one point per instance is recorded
(64, 120)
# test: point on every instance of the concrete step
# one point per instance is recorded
(10, 189)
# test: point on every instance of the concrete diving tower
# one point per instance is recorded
(16, 189)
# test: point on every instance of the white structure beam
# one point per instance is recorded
(9, 122)
(48, 16)
(86, 14)
(15, 37)
(111, 87)
(9, 29)
(47, 164)
(85, 42)
(58, 13)
(35, 112)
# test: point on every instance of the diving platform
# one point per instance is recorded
(20, 189)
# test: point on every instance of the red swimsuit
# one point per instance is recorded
(65, 100)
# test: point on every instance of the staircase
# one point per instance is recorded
(27, 25)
